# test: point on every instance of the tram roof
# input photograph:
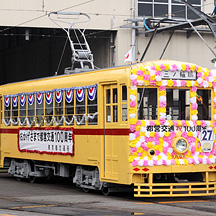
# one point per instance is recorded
(118, 74)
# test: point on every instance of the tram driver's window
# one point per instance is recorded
(178, 104)
(147, 103)
(204, 104)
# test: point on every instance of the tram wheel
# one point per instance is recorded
(105, 191)
(32, 179)
(18, 178)
(86, 190)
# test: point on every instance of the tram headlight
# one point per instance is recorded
(180, 145)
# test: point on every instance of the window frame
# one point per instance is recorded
(169, 4)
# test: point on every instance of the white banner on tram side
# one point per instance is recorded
(179, 75)
(46, 140)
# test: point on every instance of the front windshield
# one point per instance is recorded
(178, 104)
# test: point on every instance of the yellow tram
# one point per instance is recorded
(148, 125)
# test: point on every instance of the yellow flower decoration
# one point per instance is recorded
(187, 123)
(143, 123)
(157, 68)
(134, 71)
(193, 67)
(210, 84)
(166, 67)
(157, 122)
(186, 162)
(142, 133)
(170, 122)
(206, 74)
(190, 134)
(194, 112)
(138, 128)
(149, 145)
(167, 134)
(132, 143)
(183, 67)
(161, 142)
(140, 149)
(196, 84)
(133, 121)
(188, 83)
(162, 110)
(142, 68)
(152, 134)
(131, 111)
(133, 92)
(177, 162)
(179, 123)
(170, 83)
(198, 122)
(159, 83)
(140, 78)
(178, 133)
(147, 72)
(192, 94)
(152, 77)
(162, 93)
(199, 70)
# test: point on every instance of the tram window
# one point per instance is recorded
(124, 103)
(204, 104)
(80, 109)
(69, 107)
(108, 95)
(7, 112)
(147, 103)
(22, 108)
(15, 111)
(115, 104)
(59, 108)
(40, 109)
(92, 109)
(49, 110)
(178, 104)
(31, 107)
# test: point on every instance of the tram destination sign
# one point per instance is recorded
(46, 140)
(179, 75)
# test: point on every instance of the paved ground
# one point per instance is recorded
(61, 197)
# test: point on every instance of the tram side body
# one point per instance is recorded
(98, 161)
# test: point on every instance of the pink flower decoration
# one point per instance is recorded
(201, 84)
(184, 123)
(132, 127)
(174, 83)
(207, 154)
(152, 67)
(188, 67)
(184, 134)
(172, 162)
(162, 104)
(165, 150)
(207, 79)
(193, 161)
(189, 160)
(138, 123)
(214, 124)
(210, 73)
(162, 67)
(155, 162)
(135, 163)
(193, 148)
(183, 83)
(196, 68)
(145, 163)
(208, 161)
(203, 124)
(199, 74)
(157, 135)
(152, 123)
(132, 103)
(194, 89)
(162, 121)
(158, 73)
(134, 82)
(174, 67)
(140, 73)
(162, 88)
(133, 150)
(164, 162)
(173, 134)
(200, 160)
(147, 77)
(145, 149)
(175, 123)
(140, 154)
(194, 106)
(215, 105)
(157, 152)
(143, 145)
(136, 133)
(214, 84)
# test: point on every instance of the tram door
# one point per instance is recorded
(1, 162)
(111, 150)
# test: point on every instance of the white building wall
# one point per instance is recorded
(111, 15)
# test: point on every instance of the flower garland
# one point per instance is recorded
(142, 141)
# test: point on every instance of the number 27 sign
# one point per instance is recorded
(207, 139)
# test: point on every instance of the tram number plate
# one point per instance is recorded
(207, 139)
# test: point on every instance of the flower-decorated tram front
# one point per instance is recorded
(172, 129)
